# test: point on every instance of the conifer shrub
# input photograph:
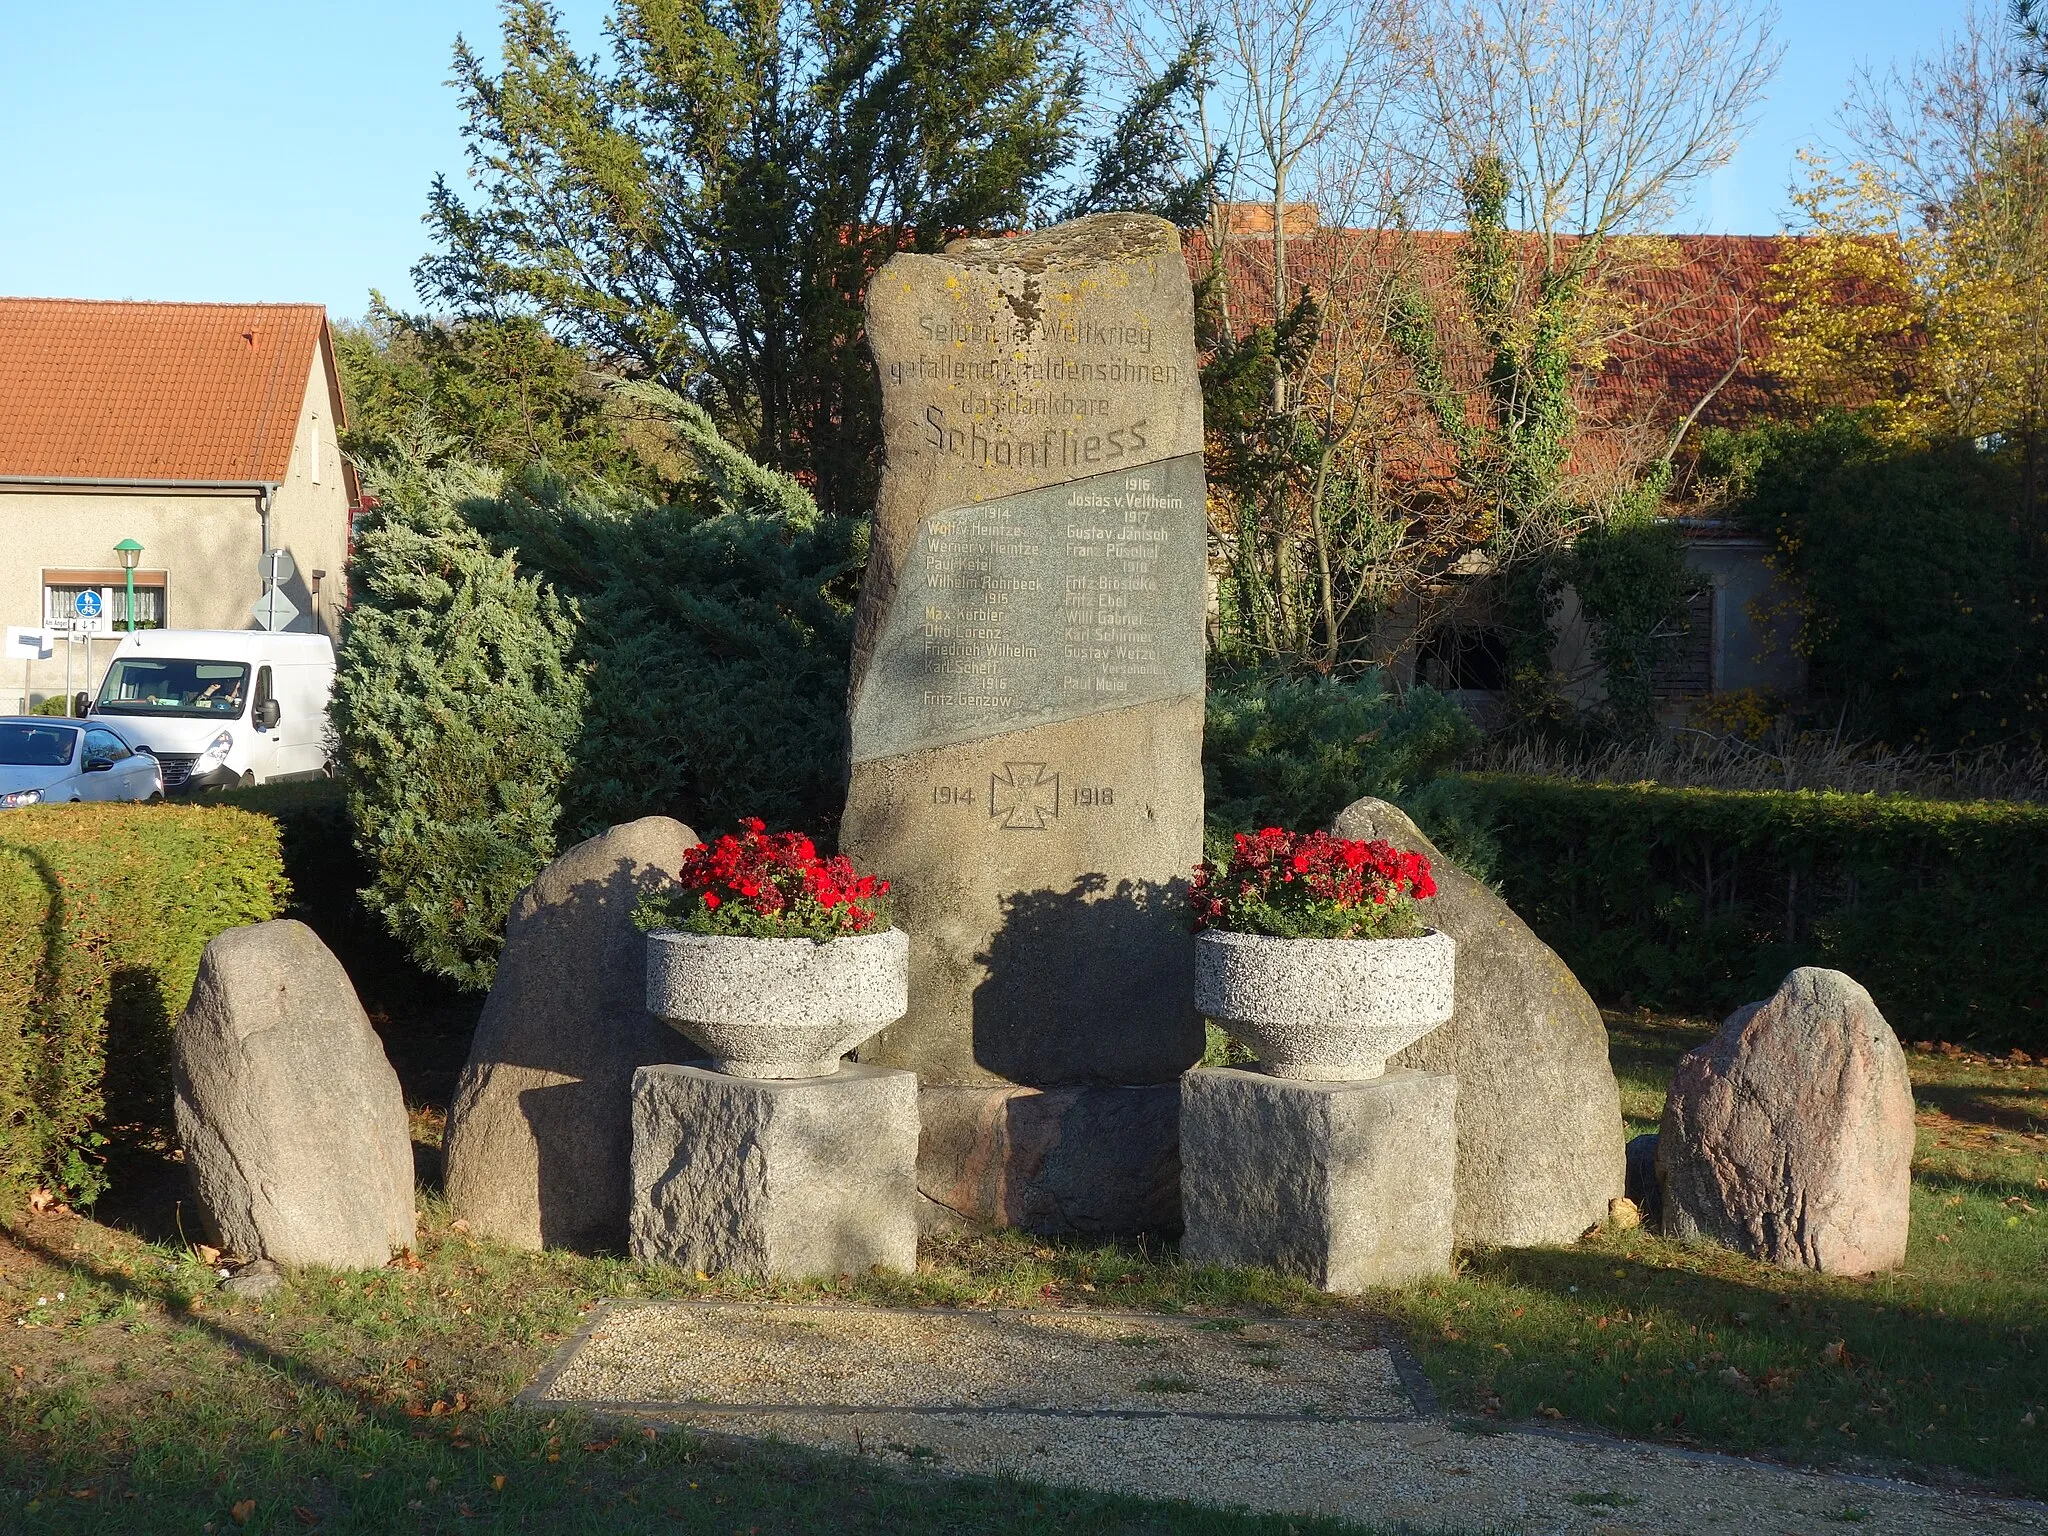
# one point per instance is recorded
(715, 631)
(534, 660)
(456, 706)
(104, 911)
(1292, 751)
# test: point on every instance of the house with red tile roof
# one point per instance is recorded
(206, 433)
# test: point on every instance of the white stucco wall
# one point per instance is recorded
(198, 541)
(308, 517)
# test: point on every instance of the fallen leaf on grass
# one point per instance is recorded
(306, 1516)
(404, 1259)
(497, 1482)
(1549, 1412)
(459, 1225)
(40, 1200)
(240, 1511)
(595, 1446)
(1836, 1353)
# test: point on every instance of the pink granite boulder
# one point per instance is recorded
(1789, 1135)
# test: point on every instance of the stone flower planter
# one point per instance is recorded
(1325, 1010)
(778, 1008)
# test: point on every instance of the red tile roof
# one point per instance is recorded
(1687, 315)
(155, 392)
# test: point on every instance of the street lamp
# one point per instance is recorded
(130, 553)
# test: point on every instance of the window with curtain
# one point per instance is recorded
(59, 595)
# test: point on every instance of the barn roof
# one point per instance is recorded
(1689, 309)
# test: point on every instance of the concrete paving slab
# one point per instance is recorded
(1322, 1416)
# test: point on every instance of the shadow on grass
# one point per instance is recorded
(286, 1444)
(2019, 1108)
(2001, 1185)
(1902, 1372)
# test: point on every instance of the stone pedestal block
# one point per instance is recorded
(1347, 1184)
(791, 1177)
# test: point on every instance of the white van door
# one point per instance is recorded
(312, 689)
(264, 733)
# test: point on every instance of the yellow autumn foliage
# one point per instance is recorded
(1934, 319)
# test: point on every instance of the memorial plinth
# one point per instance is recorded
(1026, 701)
(775, 1177)
(1347, 1184)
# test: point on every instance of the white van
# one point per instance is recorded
(222, 707)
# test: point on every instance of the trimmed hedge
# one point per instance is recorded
(104, 910)
(1702, 899)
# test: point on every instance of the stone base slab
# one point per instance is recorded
(1347, 1184)
(1093, 1161)
(806, 1176)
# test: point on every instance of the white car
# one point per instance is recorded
(45, 760)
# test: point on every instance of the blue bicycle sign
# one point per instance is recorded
(86, 605)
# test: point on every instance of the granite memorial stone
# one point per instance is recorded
(1026, 699)
(540, 1132)
(1539, 1111)
(1789, 1135)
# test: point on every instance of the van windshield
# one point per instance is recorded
(157, 685)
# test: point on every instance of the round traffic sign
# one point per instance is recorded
(277, 566)
(86, 605)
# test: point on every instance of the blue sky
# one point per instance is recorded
(282, 151)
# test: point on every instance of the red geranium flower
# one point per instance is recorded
(1311, 885)
(767, 884)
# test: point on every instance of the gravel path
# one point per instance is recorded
(1299, 1416)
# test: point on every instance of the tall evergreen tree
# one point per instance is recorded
(704, 208)
(503, 392)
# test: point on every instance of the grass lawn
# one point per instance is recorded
(141, 1398)
(135, 1396)
(1939, 1370)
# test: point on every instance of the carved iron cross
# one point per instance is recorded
(1025, 796)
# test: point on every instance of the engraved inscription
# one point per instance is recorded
(1020, 392)
(1057, 603)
